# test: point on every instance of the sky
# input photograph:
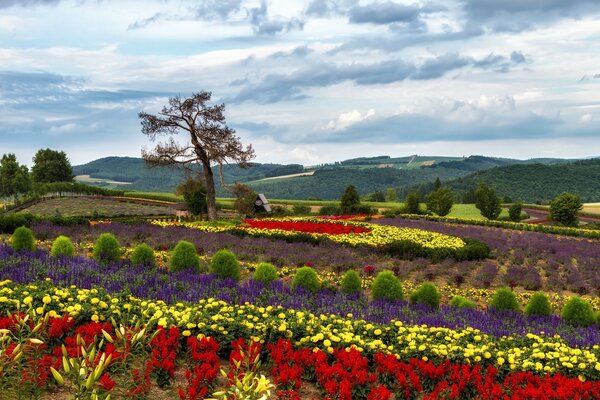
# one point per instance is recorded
(306, 82)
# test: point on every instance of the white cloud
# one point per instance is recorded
(347, 119)
(586, 118)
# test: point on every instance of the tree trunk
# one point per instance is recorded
(211, 202)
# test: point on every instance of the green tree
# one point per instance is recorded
(437, 184)
(350, 201)
(194, 195)
(391, 195)
(378, 197)
(487, 202)
(469, 197)
(245, 197)
(51, 166)
(440, 201)
(564, 209)
(210, 141)
(514, 212)
(14, 178)
(411, 203)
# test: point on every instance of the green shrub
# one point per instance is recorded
(578, 312)
(265, 273)
(461, 302)
(62, 246)
(107, 249)
(330, 210)
(22, 239)
(514, 212)
(538, 305)
(405, 249)
(10, 222)
(387, 286)
(306, 278)
(225, 265)
(427, 294)
(301, 209)
(504, 299)
(184, 256)
(351, 282)
(143, 255)
(472, 250)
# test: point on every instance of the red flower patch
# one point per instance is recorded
(306, 227)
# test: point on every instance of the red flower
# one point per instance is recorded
(106, 382)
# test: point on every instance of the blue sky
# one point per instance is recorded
(306, 81)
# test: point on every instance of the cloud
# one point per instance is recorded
(389, 12)
(323, 8)
(262, 24)
(27, 3)
(277, 87)
(346, 119)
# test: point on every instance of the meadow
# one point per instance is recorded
(433, 310)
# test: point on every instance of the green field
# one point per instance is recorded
(87, 206)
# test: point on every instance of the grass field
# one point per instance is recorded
(77, 206)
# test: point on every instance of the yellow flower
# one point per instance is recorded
(95, 317)
(186, 333)
(47, 299)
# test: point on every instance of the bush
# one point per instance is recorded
(301, 209)
(487, 202)
(225, 265)
(10, 222)
(472, 250)
(62, 246)
(265, 273)
(411, 203)
(461, 302)
(22, 239)
(538, 305)
(107, 249)
(514, 212)
(306, 278)
(387, 286)
(504, 299)
(331, 209)
(440, 201)
(351, 282)
(143, 255)
(578, 312)
(184, 256)
(427, 294)
(350, 200)
(564, 209)
(405, 249)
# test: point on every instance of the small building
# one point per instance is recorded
(261, 203)
(181, 210)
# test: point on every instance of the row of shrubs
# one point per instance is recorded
(386, 285)
(407, 249)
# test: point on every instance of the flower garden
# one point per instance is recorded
(160, 311)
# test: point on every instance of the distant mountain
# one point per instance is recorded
(293, 181)
(535, 182)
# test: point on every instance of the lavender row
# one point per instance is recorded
(186, 286)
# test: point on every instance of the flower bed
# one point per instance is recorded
(305, 227)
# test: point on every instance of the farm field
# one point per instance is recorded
(86, 206)
(169, 327)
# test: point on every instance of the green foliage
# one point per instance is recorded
(51, 166)
(387, 286)
(14, 178)
(306, 278)
(330, 209)
(300, 209)
(487, 202)
(377, 197)
(405, 249)
(564, 209)
(265, 273)
(472, 250)
(194, 195)
(351, 282)
(22, 239)
(245, 197)
(408, 250)
(184, 256)
(440, 201)
(350, 201)
(391, 195)
(427, 294)
(461, 302)
(107, 249)
(10, 222)
(514, 212)
(538, 305)
(504, 300)
(578, 312)
(62, 246)
(143, 255)
(225, 265)
(411, 203)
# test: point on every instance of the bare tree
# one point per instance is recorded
(211, 141)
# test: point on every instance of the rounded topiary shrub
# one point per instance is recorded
(461, 302)
(22, 239)
(143, 255)
(538, 305)
(184, 256)
(306, 278)
(107, 249)
(265, 273)
(62, 246)
(351, 282)
(578, 312)
(427, 294)
(225, 265)
(387, 286)
(405, 249)
(504, 300)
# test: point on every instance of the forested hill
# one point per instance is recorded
(132, 174)
(536, 182)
